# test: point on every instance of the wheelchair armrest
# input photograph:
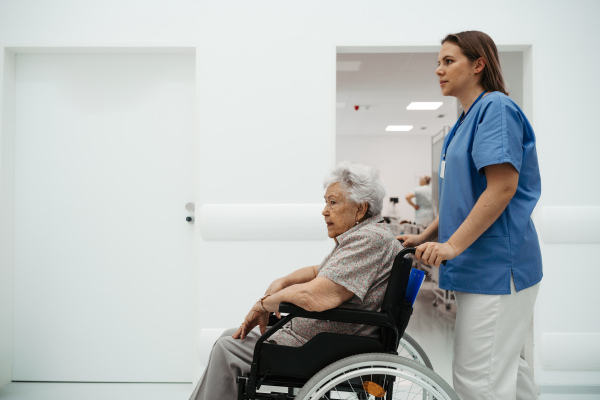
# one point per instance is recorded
(336, 314)
(273, 320)
(339, 315)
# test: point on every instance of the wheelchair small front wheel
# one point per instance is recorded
(376, 375)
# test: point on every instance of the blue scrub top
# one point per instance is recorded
(494, 131)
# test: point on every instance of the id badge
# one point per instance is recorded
(442, 169)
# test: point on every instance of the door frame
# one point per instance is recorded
(8, 55)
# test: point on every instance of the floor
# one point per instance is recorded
(432, 327)
(95, 391)
(141, 391)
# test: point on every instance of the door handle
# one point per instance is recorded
(191, 207)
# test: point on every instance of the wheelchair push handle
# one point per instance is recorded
(411, 250)
(407, 250)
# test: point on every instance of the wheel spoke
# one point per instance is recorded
(338, 393)
(404, 378)
(352, 387)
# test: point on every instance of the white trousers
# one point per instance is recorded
(489, 337)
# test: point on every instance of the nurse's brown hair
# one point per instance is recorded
(476, 44)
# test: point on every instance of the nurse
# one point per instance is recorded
(424, 213)
(489, 183)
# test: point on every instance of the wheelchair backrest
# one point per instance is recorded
(398, 309)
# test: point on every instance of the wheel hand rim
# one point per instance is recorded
(375, 371)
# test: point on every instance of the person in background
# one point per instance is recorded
(489, 183)
(355, 274)
(424, 213)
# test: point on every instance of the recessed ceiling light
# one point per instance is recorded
(424, 105)
(398, 128)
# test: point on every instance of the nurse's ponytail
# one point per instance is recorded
(476, 44)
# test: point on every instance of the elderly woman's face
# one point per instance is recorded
(340, 213)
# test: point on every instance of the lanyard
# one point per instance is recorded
(460, 120)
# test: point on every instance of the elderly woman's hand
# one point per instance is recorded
(410, 240)
(256, 316)
(275, 286)
(433, 253)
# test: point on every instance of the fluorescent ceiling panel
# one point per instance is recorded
(398, 128)
(424, 105)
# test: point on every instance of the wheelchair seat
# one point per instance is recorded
(293, 367)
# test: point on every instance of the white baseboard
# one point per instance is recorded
(570, 389)
(570, 351)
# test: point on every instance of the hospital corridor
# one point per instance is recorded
(174, 170)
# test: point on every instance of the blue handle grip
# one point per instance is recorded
(415, 280)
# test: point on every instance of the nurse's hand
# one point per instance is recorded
(410, 240)
(433, 253)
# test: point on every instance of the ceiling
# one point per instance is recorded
(383, 84)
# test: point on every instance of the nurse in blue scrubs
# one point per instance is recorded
(489, 183)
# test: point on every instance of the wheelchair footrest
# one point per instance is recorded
(281, 396)
(272, 396)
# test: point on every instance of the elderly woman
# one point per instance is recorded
(354, 275)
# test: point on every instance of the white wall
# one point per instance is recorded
(399, 159)
(266, 104)
(7, 110)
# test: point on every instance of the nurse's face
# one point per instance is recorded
(456, 72)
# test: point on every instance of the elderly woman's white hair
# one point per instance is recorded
(361, 183)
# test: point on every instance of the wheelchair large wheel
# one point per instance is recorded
(373, 376)
(410, 349)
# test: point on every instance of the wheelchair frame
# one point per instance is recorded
(332, 348)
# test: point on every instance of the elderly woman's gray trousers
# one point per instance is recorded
(229, 359)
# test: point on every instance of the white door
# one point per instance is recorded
(104, 259)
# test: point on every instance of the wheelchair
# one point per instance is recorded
(338, 366)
